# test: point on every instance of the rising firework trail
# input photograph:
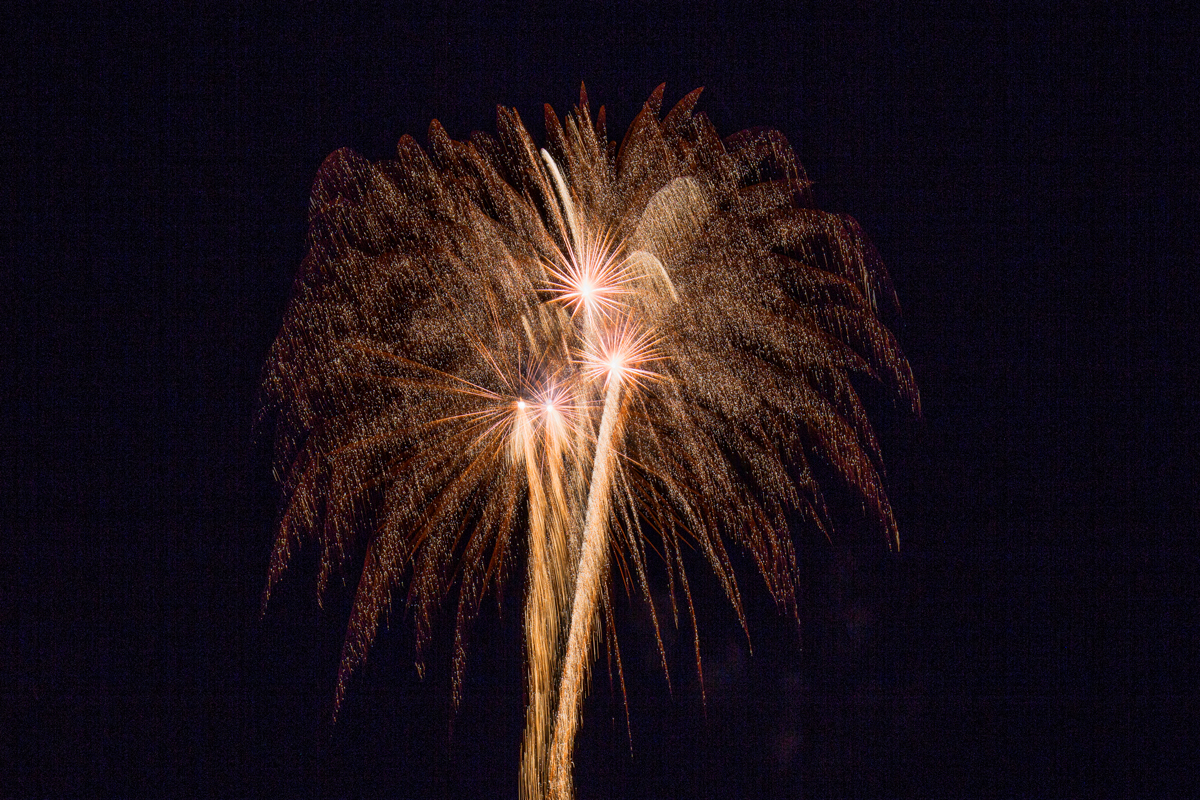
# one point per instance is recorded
(573, 355)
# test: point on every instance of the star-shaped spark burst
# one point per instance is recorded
(593, 280)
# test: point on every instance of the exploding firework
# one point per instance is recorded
(577, 356)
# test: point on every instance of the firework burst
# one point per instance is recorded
(495, 352)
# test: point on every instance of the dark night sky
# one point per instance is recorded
(1029, 176)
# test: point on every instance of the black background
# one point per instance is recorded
(1029, 175)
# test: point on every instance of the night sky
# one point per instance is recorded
(1029, 176)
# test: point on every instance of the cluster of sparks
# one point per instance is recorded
(576, 352)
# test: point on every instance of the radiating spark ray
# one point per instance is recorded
(479, 390)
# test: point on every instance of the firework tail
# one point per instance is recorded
(544, 610)
(593, 565)
(540, 624)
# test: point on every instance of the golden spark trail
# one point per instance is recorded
(593, 564)
(541, 626)
(548, 563)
